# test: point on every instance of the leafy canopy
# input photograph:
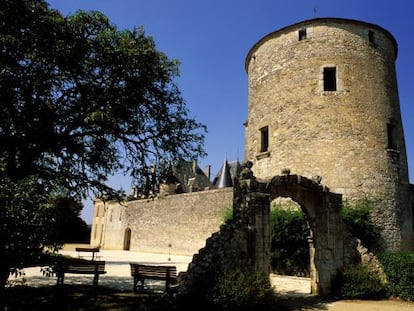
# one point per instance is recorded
(81, 100)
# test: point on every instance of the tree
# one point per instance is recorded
(81, 100)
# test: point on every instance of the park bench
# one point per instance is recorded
(140, 273)
(93, 250)
(80, 266)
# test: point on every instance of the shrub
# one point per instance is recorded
(399, 269)
(289, 245)
(239, 288)
(358, 282)
(357, 217)
(227, 214)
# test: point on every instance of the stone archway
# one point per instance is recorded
(323, 212)
(245, 241)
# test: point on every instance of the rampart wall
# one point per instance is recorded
(183, 221)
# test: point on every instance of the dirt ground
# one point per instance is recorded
(348, 305)
(295, 293)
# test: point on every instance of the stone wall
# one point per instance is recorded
(353, 136)
(183, 221)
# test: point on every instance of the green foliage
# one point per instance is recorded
(86, 100)
(399, 269)
(359, 282)
(228, 214)
(66, 225)
(240, 288)
(357, 216)
(80, 100)
(289, 245)
(31, 221)
(23, 223)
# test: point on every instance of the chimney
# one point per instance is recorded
(194, 166)
(208, 171)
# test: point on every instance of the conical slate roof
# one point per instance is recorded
(223, 178)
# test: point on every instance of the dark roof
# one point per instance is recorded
(226, 175)
(191, 177)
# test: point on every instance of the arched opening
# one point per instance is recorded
(323, 214)
(291, 239)
(127, 239)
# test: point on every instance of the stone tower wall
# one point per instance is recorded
(352, 137)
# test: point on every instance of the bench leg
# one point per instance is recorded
(141, 285)
(135, 284)
(95, 279)
(60, 277)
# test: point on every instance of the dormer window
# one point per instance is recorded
(302, 34)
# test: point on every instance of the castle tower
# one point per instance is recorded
(323, 100)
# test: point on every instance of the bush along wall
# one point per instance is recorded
(359, 282)
(399, 269)
(357, 217)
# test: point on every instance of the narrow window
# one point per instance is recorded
(302, 34)
(412, 213)
(329, 79)
(391, 136)
(264, 139)
(371, 36)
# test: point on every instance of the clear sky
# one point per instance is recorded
(212, 38)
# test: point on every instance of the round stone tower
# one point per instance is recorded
(323, 101)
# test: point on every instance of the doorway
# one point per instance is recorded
(127, 239)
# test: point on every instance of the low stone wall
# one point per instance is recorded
(183, 221)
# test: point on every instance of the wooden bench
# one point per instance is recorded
(142, 272)
(92, 250)
(80, 266)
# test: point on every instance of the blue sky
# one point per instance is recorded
(212, 38)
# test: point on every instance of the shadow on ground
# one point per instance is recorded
(76, 297)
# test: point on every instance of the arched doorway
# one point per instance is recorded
(290, 235)
(127, 239)
(322, 209)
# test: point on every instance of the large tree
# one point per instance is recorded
(81, 100)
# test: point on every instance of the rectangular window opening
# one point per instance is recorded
(371, 36)
(302, 34)
(264, 139)
(391, 136)
(412, 214)
(329, 79)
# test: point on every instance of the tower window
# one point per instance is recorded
(264, 139)
(412, 214)
(302, 34)
(329, 79)
(391, 136)
(371, 36)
